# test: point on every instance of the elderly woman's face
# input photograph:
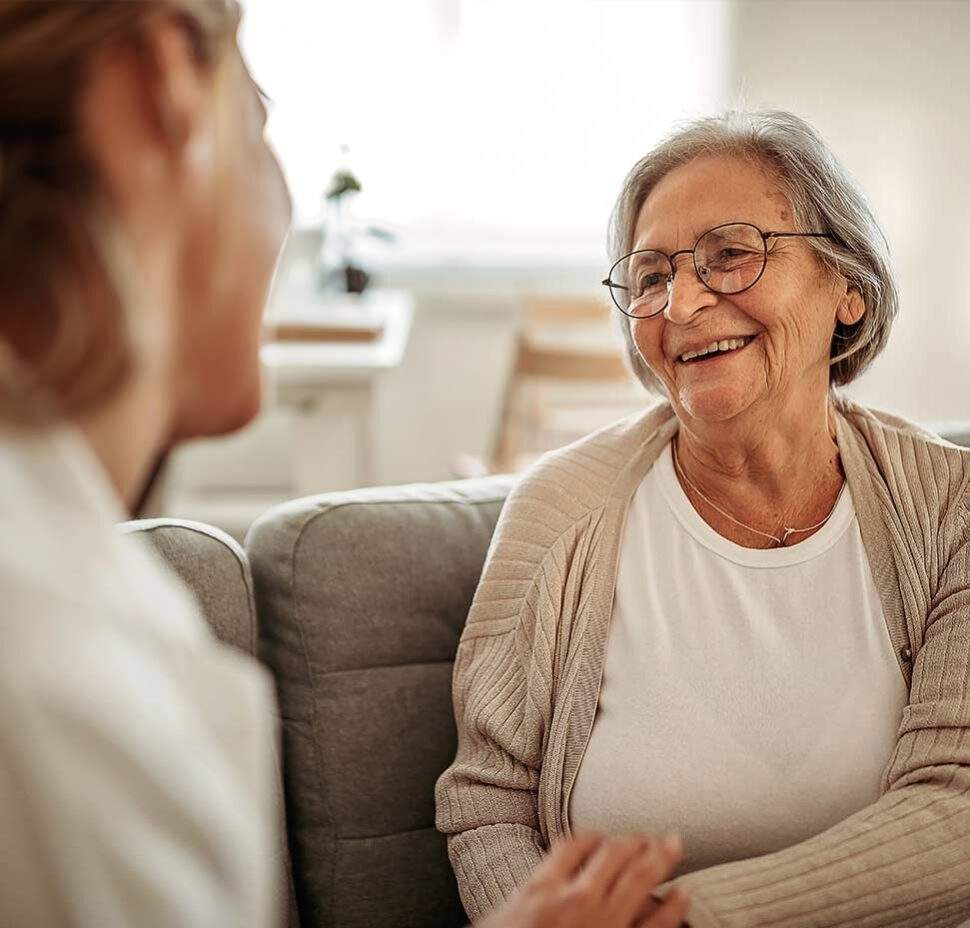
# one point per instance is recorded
(788, 316)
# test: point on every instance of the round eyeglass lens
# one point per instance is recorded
(645, 279)
(730, 259)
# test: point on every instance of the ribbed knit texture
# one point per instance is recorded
(530, 662)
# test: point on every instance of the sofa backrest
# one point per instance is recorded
(957, 432)
(362, 597)
(214, 567)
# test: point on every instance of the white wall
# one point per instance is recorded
(445, 398)
(888, 86)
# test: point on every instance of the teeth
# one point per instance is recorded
(725, 344)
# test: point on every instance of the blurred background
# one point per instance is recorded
(488, 140)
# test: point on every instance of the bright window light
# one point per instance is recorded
(488, 128)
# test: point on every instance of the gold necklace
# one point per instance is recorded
(787, 531)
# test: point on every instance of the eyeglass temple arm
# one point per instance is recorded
(609, 283)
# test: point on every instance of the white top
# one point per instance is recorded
(136, 753)
(750, 698)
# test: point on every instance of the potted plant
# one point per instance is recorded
(339, 269)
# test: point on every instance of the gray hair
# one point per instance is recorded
(823, 197)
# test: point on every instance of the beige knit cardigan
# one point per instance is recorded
(529, 666)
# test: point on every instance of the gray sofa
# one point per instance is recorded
(360, 598)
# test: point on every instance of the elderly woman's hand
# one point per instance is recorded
(591, 880)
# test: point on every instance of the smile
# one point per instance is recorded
(724, 346)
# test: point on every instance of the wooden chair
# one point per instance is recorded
(568, 377)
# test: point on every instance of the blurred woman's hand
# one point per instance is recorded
(592, 880)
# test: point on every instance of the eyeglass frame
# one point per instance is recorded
(608, 282)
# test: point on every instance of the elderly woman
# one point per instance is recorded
(743, 615)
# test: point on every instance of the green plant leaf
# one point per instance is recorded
(341, 183)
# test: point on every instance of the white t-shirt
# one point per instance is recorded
(750, 698)
(136, 752)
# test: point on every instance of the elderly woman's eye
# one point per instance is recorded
(729, 258)
(650, 282)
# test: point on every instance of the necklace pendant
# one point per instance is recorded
(757, 531)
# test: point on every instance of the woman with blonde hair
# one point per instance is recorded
(141, 214)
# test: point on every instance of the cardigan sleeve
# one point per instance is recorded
(904, 861)
(487, 800)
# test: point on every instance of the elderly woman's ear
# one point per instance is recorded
(851, 307)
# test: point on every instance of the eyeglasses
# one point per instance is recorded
(728, 259)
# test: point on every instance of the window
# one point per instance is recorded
(494, 129)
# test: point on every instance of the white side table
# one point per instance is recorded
(322, 382)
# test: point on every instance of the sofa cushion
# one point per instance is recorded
(362, 597)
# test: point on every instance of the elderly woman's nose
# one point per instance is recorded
(687, 294)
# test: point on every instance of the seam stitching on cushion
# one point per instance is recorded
(315, 727)
(345, 670)
(390, 834)
(328, 829)
(329, 507)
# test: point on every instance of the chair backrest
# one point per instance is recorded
(362, 597)
(214, 567)
(568, 377)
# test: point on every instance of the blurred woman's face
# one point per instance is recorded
(228, 259)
